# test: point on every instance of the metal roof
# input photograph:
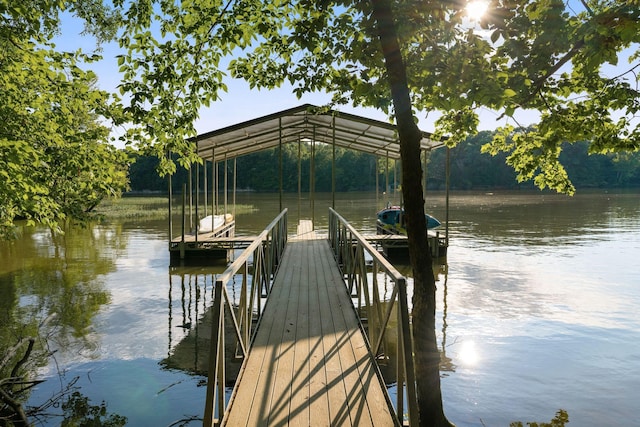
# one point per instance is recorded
(305, 123)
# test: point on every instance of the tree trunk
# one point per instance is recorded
(427, 357)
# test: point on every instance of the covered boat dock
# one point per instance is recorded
(305, 124)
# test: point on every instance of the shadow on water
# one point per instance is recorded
(190, 322)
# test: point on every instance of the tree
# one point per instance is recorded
(403, 57)
(562, 65)
(55, 159)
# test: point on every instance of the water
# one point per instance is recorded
(538, 311)
(541, 310)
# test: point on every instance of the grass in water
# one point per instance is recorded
(150, 207)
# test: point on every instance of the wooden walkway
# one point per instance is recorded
(309, 365)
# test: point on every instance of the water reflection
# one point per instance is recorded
(547, 294)
(190, 321)
(43, 274)
(447, 365)
(534, 221)
(446, 362)
(51, 289)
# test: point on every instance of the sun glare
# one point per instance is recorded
(476, 9)
(468, 354)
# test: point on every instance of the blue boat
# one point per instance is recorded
(391, 220)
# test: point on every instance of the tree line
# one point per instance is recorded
(470, 169)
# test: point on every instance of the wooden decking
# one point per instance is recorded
(309, 365)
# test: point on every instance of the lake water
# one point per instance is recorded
(538, 310)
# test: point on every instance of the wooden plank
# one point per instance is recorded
(299, 399)
(371, 407)
(332, 340)
(272, 347)
(209, 238)
(217, 233)
(318, 397)
(304, 231)
(285, 348)
(368, 407)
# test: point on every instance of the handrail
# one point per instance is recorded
(349, 248)
(266, 252)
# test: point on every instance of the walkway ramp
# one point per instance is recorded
(309, 364)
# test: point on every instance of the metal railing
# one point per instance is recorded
(265, 252)
(362, 277)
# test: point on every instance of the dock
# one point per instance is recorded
(213, 245)
(309, 364)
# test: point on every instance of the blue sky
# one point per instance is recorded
(241, 103)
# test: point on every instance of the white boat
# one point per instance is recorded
(211, 223)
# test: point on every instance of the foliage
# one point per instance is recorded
(168, 78)
(559, 420)
(515, 62)
(55, 160)
(578, 103)
(79, 413)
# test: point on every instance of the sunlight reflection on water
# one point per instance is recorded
(552, 310)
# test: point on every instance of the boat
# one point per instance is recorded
(210, 223)
(391, 220)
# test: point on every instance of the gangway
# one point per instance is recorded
(312, 327)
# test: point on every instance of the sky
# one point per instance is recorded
(240, 103)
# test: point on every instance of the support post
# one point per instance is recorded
(170, 207)
(217, 185)
(424, 171)
(280, 159)
(377, 183)
(206, 188)
(333, 163)
(313, 179)
(235, 182)
(446, 219)
(386, 171)
(190, 197)
(299, 175)
(184, 219)
(213, 184)
(197, 200)
(226, 189)
(217, 335)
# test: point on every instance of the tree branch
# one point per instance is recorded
(12, 352)
(586, 6)
(16, 406)
(538, 84)
(14, 372)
